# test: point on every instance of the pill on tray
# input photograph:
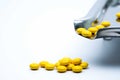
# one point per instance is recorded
(105, 23)
(93, 29)
(86, 33)
(34, 66)
(100, 27)
(79, 30)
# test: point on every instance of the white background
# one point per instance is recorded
(35, 30)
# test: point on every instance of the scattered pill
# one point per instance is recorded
(49, 66)
(84, 65)
(76, 61)
(61, 69)
(105, 23)
(118, 15)
(79, 30)
(43, 63)
(64, 64)
(34, 66)
(77, 69)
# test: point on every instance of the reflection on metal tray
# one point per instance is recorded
(103, 10)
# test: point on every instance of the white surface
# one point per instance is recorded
(35, 30)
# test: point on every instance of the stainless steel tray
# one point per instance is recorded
(103, 10)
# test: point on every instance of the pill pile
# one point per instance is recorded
(75, 65)
(91, 31)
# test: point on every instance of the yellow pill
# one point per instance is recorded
(77, 69)
(86, 33)
(105, 23)
(76, 61)
(69, 67)
(43, 63)
(100, 27)
(49, 66)
(34, 66)
(67, 58)
(93, 29)
(84, 65)
(61, 69)
(79, 30)
(118, 15)
(65, 61)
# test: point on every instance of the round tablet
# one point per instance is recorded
(43, 63)
(77, 69)
(84, 65)
(100, 27)
(86, 33)
(65, 61)
(61, 69)
(76, 61)
(34, 66)
(105, 23)
(49, 66)
(79, 30)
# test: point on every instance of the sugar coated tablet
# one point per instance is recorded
(34, 66)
